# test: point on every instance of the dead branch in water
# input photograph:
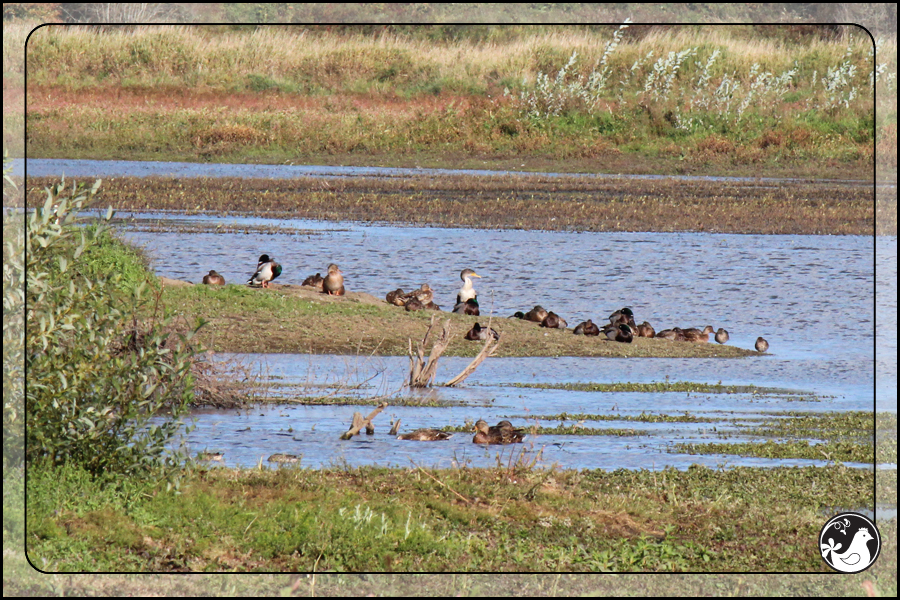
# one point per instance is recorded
(359, 422)
(489, 348)
(421, 374)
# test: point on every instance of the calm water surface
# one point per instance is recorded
(812, 297)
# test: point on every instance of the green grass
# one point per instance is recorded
(374, 519)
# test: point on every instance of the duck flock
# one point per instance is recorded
(621, 328)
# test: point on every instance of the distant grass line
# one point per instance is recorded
(703, 97)
(665, 386)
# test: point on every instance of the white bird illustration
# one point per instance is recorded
(853, 559)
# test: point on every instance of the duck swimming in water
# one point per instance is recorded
(721, 335)
(213, 278)
(425, 435)
(481, 333)
(333, 284)
(467, 291)
(501, 433)
(266, 270)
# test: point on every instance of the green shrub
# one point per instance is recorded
(100, 360)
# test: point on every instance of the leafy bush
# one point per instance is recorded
(100, 362)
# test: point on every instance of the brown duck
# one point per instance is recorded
(213, 278)
(314, 281)
(333, 284)
(501, 433)
(425, 435)
(536, 314)
(587, 328)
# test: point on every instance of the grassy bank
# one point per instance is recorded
(501, 519)
(290, 318)
(521, 202)
(711, 100)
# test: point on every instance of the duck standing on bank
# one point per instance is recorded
(333, 284)
(266, 270)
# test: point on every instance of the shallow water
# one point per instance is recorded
(799, 292)
(41, 167)
(811, 297)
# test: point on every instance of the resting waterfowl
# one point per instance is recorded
(721, 335)
(695, 335)
(213, 278)
(554, 321)
(469, 307)
(618, 333)
(266, 270)
(645, 330)
(426, 435)
(432, 306)
(518, 315)
(624, 315)
(333, 284)
(674, 334)
(587, 328)
(314, 281)
(424, 294)
(536, 314)
(762, 345)
(395, 297)
(467, 291)
(481, 333)
(414, 304)
(501, 433)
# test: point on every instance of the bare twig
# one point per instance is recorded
(421, 374)
(458, 495)
(490, 345)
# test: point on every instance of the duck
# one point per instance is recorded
(695, 335)
(432, 306)
(761, 345)
(518, 315)
(721, 335)
(501, 433)
(481, 333)
(333, 284)
(469, 307)
(467, 291)
(424, 294)
(266, 270)
(624, 315)
(414, 304)
(536, 314)
(554, 321)
(587, 328)
(646, 330)
(210, 456)
(284, 458)
(314, 281)
(425, 435)
(674, 334)
(213, 278)
(618, 333)
(395, 297)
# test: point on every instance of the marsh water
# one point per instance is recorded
(811, 297)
